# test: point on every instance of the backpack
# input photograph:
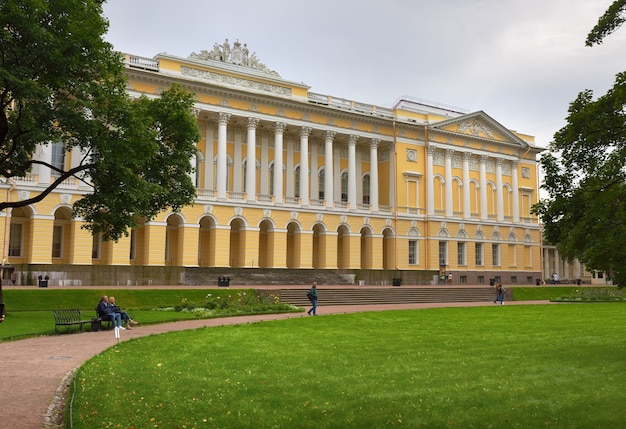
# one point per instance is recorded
(310, 296)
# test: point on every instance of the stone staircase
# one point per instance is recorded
(264, 276)
(391, 295)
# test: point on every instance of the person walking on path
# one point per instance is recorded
(499, 295)
(312, 295)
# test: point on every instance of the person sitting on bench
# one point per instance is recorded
(106, 312)
(124, 315)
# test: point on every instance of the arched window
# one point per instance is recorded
(344, 187)
(321, 183)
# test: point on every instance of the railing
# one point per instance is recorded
(344, 104)
(141, 62)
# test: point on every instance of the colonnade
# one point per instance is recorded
(482, 185)
(332, 179)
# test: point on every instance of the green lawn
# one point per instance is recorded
(556, 366)
(29, 312)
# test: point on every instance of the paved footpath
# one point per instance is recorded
(33, 369)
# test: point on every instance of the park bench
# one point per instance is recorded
(68, 317)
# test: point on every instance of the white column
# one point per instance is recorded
(193, 175)
(483, 188)
(374, 174)
(328, 168)
(448, 173)
(467, 206)
(251, 160)
(279, 129)
(352, 171)
(45, 155)
(305, 132)
(515, 185)
(430, 190)
(221, 168)
(499, 191)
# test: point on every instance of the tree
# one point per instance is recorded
(585, 173)
(60, 82)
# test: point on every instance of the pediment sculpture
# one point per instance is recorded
(238, 54)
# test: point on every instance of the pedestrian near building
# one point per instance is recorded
(499, 295)
(312, 295)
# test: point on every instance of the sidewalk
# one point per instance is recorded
(33, 369)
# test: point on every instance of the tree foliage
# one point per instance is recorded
(612, 19)
(585, 174)
(60, 82)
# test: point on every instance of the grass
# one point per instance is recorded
(29, 312)
(557, 366)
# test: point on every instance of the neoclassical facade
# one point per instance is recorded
(290, 179)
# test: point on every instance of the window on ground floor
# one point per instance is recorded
(495, 255)
(57, 241)
(412, 252)
(479, 255)
(15, 240)
(443, 253)
(461, 254)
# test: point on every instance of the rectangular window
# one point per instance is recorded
(366, 189)
(461, 257)
(57, 241)
(412, 252)
(463, 280)
(95, 246)
(321, 184)
(481, 280)
(495, 255)
(514, 279)
(133, 244)
(443, 253)
(479, 255)
(58, 158)
(15, 240)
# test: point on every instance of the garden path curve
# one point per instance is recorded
(33, 369)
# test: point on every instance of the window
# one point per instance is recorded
(495, 255)
(461, 257)
(57, 241)
(366, 189)
(321, 184)
(58, 158)
(344, 187)
(443, 253)
(95, 246)
(514, 279)
(297, 181)
(481, 280)
(412, 252)
(133, 244)
(479, 254)
(272, 179)
(463, 280)
(15, 240)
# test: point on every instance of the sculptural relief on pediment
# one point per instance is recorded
(238, 54)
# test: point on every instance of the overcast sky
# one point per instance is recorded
(520, 61)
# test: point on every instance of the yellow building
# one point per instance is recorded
(289, 179)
